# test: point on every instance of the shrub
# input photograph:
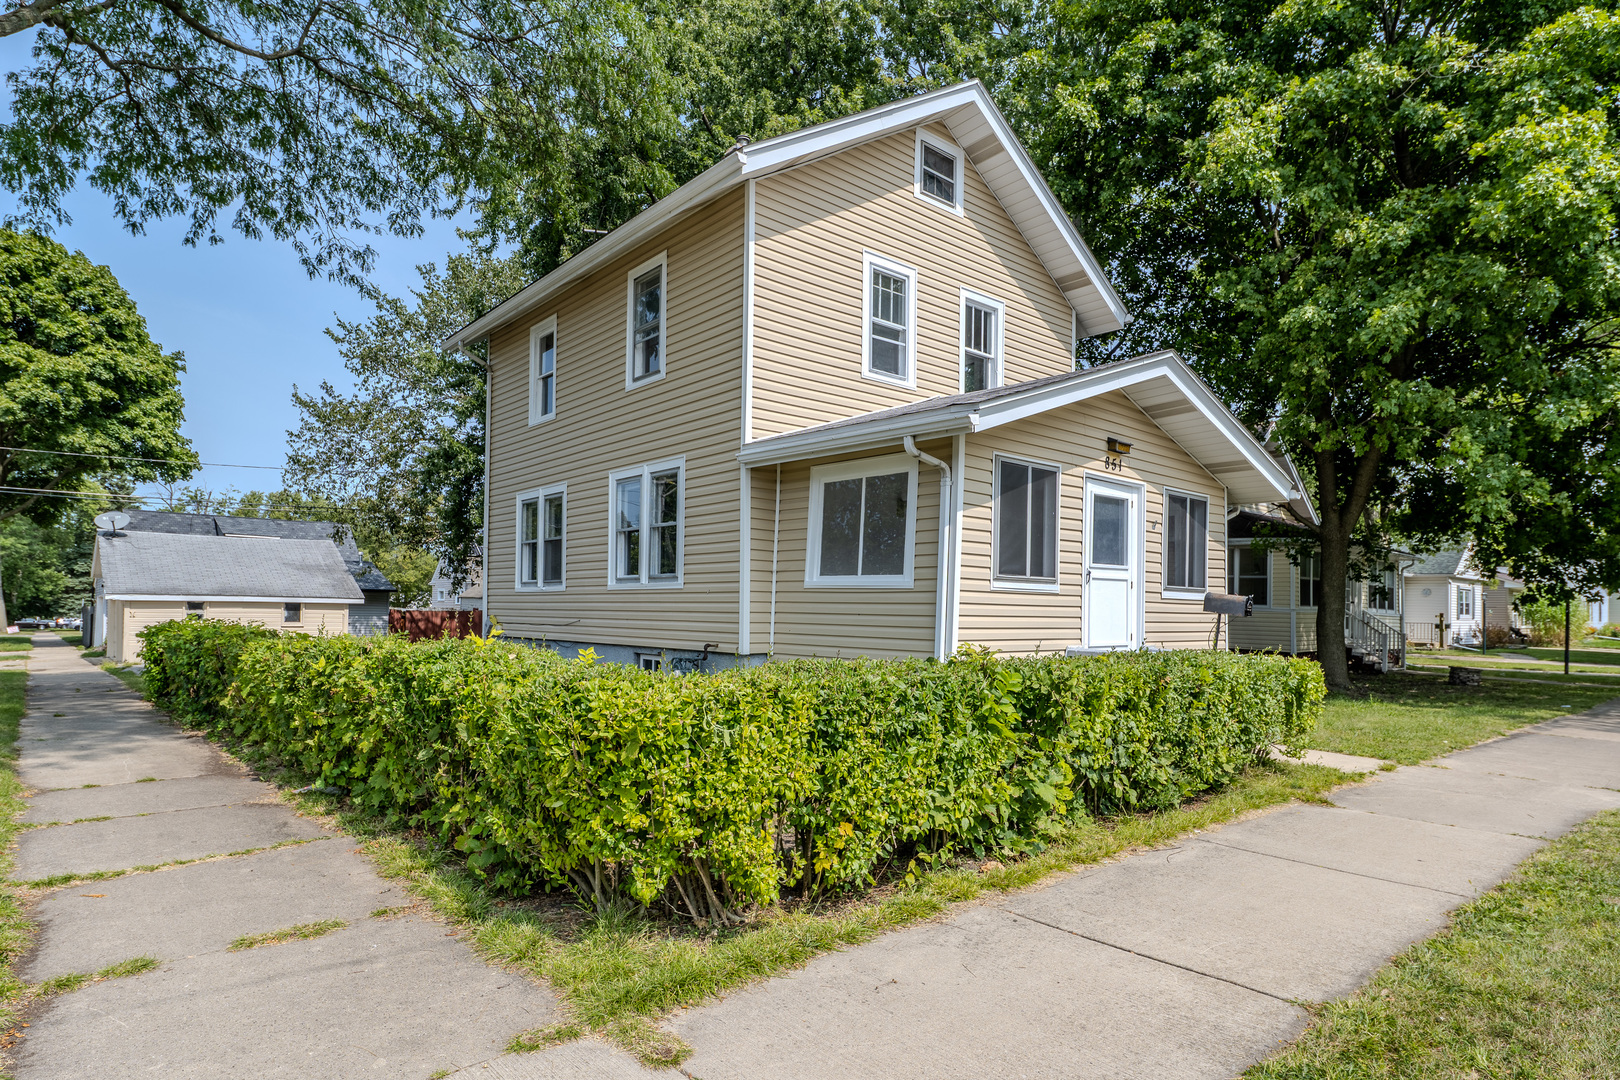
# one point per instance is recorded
(717, 791)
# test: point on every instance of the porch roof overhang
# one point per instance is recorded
(1159, 384)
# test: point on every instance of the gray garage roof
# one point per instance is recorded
(180, 566)
(169, 521)
(1439, 564)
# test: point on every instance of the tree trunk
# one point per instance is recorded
(1334, 549)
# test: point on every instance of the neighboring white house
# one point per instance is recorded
(1445, 599)
(145, 578)
(444, 596)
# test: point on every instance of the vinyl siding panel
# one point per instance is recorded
(694, 411)
(1074, 439)
(127, 618)
(812, 225)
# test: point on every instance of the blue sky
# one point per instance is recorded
(250, 322)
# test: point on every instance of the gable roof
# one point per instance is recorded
(186, 566)
(365, 574)
(1450, 562)
(978, 127)
(1159, 383)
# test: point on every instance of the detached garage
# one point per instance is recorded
(146, 578)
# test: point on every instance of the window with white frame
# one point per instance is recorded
(646, 508)
(1026, 522)
(1249, 574)
(645, 360)
(890, 318)
(1465, 601)
(542, 523)
(1381, 591)
(1310, 580)
(862, 518)
(291, 613)
(981, 341)
(1186, 541)
(543, 371)
(939, 171)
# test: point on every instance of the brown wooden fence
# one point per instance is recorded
(417, 625)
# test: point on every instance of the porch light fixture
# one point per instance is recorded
(1117, 446)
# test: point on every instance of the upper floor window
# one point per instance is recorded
(889, 343)
(862, 515)
(981, 341)
(1186, 541)
(646, 523)
(939, 171)
(1249, 574)
(646, 323)
(1026, 500)
(542, 519)
(543, 371)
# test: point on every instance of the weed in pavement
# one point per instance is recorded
(542, 1038)
(61, 984)
(300, 932)
(1522, 984)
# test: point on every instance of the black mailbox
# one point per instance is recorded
(1228, 603)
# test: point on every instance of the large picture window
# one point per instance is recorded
(1026, 522)
(862, 516)
(543, 371)
(646, 524)
(647, 322)
(1186, 542)
(1249, 574)
(889, 344)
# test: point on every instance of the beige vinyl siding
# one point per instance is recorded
(815, 621)
(812, 225)
(1274, 625)
(127, 618)
(694, 411)
(1074, 438)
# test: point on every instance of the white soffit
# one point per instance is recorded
(974, 121)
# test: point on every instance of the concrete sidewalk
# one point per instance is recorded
(1187, 962)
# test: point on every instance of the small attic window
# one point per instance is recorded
(939, 171)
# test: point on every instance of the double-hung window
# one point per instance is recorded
(646, 506)
(862, 520)
(1465, 601)
(981, 341)
(1249, 574)
(939, 172)
(1186, 542)
(1310, 580)
(890, 318)
(1026, 523)
(646, 323)
(542, 524)
(1381, 592)
(543, 371)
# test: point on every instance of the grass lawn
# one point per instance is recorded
(15, 935)
(126, 676)
(1523, 984)
(15, 643)
(1599, 659)
(72, 637)
(1411, 718)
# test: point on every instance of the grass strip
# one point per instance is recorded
(618, 973)
(300, 932)
(15, 932)
(1522, 984)
(14, 643)
(127, 676)
(61, 984)
(1410, 718)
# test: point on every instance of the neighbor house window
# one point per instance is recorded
(1465, 602)
(541, 523)
(1186, 541)
(195, 609)
(292, 613)
(1026, 527)
(939, 171)
(862, 515)
(1250, 574)
(646, 508)
(981, 342)
(646, 322)
(1381, 592)
(1310, 580)
(891, 314)
(543, 371)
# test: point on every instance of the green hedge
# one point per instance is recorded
(720, 790)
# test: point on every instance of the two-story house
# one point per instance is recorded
(821, 400)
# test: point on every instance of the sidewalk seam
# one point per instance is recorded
(1338, 870)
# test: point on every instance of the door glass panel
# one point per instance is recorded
(1109, 529)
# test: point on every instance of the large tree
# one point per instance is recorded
(1385, 229)
(85, 394)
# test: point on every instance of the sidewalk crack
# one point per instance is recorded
(1334, 869)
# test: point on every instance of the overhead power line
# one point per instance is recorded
(48, 493)
(156, 460)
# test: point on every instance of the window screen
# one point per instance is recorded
(1186, 541)
(528, 542)
(545, 375)
(1026, 521)
(552, 540)
(648, 313)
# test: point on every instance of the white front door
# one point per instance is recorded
(1112, 592)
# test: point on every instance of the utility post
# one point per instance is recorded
(1566, 635)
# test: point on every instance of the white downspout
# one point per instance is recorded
(776, 540)
(947, 502)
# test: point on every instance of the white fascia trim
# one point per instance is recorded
(239, 599)
(974, 296)
(661, 261)
(958, 155)
(797, 146)
(871, 260)
(849, 470)
(785, 448)
(536, 332)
